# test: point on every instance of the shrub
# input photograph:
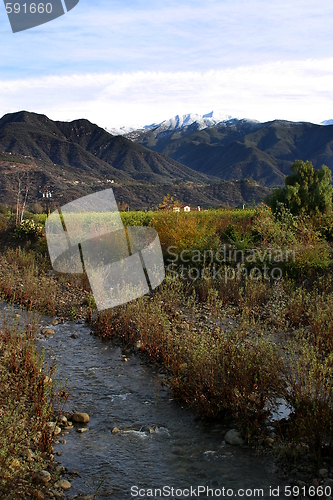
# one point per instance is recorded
(28, 229)
(310, 387)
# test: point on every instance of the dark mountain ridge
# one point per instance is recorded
(237, 149)
(86, 147)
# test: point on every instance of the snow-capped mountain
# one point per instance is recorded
(327, 122)
(122, 130)
(179, 122)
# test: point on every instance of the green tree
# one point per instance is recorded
(306, 190)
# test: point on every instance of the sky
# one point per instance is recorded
(138, 62)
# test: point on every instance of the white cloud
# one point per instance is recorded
(294, 90)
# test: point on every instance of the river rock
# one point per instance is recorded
(53, 428)
(47, 331)
(55, 322)
(323, 473)
(86, 497)
(62, 421)
(81, 418)
(82, 430)
(63, 484)
(233, 437)
(60, 469)
(115, 430)
(42, 477)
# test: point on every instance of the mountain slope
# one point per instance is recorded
(86, 148)
(236, 149)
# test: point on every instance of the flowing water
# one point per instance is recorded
(160, 443)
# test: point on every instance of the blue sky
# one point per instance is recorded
(138, 62)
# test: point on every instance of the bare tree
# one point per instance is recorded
(21, 208)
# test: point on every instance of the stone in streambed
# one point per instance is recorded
(62, 421)
(47, 331)
(53, 428)
(233, 437)
(60, 469)
(42, 477)
(80, 418)
(82, 430)
(63, 484)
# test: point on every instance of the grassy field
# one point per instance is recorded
(243, 319)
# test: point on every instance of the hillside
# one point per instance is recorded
(86, 148)
(237, 149)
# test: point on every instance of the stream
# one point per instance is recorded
(160, 443)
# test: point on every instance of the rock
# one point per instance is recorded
(86, 497)
(115, 430)
(47, 331)
(60, 470)
(55, 322)
(38, 495)
(233, 437)
(74, 336)
(74, 473)
(82, 431)
(63, 484)
(315, 483)
(42, 477)
(81, 418)
(53, 428)
(62, 421)
(300, 484)
(323, 473)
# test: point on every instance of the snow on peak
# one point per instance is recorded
(327, 122)
(178, 122)
(122, 130)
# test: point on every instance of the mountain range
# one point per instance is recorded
(240, 148)
(200, 159)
